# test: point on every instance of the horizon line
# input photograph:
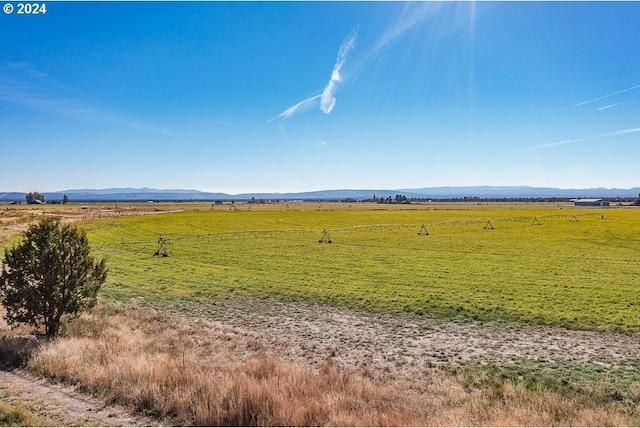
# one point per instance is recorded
(344, 189)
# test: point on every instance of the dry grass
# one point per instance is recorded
(201, 372)
(17, 414)
(17, 347)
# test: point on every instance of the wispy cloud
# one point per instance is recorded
(609, 106)
(579, 140)
(327, 99)
(301, 106)
(544, 146)
(624, 131)
(39, 92)
(411, 16)
(607, 96)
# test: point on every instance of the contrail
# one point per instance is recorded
(578, 140)
(327, 99)
(609, 106)
(411, 17)
(302, 105)
(624, 131)
(607, 96)
(543, 146)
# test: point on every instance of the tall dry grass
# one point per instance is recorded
(194, 372)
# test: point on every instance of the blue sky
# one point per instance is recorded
(295, 96)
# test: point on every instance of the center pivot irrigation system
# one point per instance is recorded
(163, 241)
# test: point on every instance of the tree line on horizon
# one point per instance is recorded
(39, 198)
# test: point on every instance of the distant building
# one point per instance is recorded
(591, 203)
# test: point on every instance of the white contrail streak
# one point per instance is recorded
(607, 96)
(327, 99)
(544, 146)
(578, 140)
(301, 106)
(609, 106)
(412, 15)
(624, 131)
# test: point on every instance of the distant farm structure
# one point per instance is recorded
(591, 202)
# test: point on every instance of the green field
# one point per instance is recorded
(578, 268)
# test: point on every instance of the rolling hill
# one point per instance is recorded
(482, 192)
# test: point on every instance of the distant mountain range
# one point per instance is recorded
(482, 192)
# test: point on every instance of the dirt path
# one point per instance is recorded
(63, 405)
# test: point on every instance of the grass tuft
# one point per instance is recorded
(18, 415)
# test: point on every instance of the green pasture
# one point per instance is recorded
(578, 267)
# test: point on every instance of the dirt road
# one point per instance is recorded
(63, 405)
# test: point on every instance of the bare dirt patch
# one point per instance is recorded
(401, 347)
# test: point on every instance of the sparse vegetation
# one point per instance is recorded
(14, 415)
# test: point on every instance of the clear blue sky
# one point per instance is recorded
(291, 96)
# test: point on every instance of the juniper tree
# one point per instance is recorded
(32, 197)
(49, 274)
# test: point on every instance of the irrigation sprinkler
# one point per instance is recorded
(325, 237)
(488, 226)
(573, 219)
(162, 247)
(423, 231)
(535, 222)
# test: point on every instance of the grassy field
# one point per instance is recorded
(542, 264)
(251, 321)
